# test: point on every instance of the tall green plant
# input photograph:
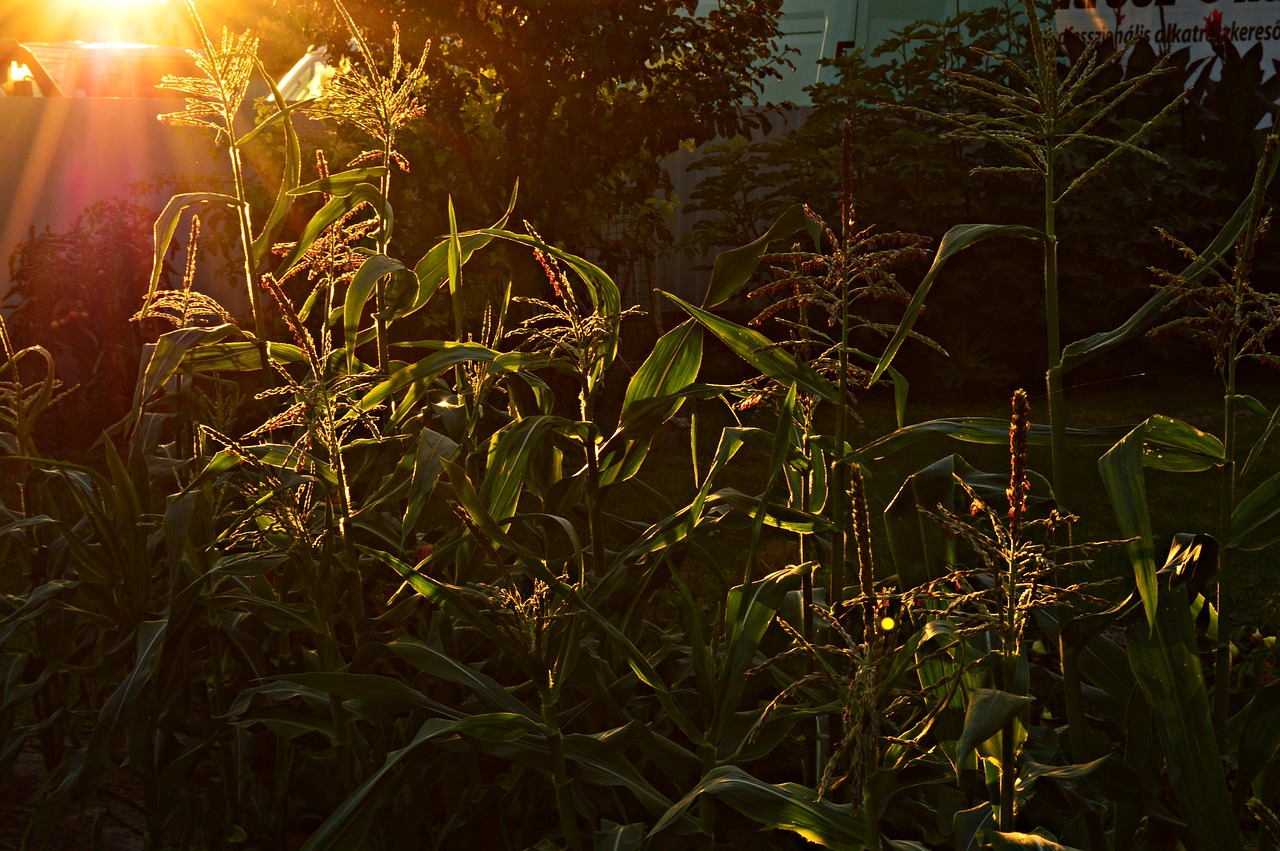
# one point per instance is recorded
(379, 103)
(1038, 117)
(1235, 321)
(213, 102)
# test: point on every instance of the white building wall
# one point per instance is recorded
(820, 29)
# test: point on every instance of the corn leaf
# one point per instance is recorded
(763, 355)
(1001, 841)
(345, 828)
(618, 837)
(1085, 350)
(987, 712)
(953, 242)
(1272, 418)
(386, 691)
(1255, 524)
(1166, 661)
(291, 174)
(1123, 477)
(433, 449)
(333, 210)
(1175, 446)
(426, 369)
(732, 269)
(433, 270)
(784, 807)
(1163, 444)
(513, 450)
(920, 549)
(990, 431)
(749, 609)
(114, 717)
(236, 356)
(167, 223)
(1259, 740)
(604, 293)
(342, 183)
(670, 368)
(362, 285)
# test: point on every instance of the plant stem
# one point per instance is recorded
(1053, 337)
(812, 749)
(384, 245)
(1077, 722)
(559, 770)
(595, 514)
(838, 489)
(246, 242)
(1222, 658)
(1009, 662)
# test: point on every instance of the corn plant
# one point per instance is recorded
(1223, 310)
(213, 102)
(379, 104)
(1038, 118)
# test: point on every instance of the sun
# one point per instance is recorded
(149, 21)
(115, 5)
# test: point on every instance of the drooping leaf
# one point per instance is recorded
(763, 355)
(1082, 351)
(918, 545)
(987, 712)
(1000, 841)
(167, 223)
(432, 271)
(598, 761)
(653, 396)
(290, 175)
(388, 691)
(344, 182)
(1178, 447)
(1255, 523)
(732, 269)
(953, 242)
(1273, 420)
(1160, 443)
(1121, 469)
(1166, 661)
(345, 828)
(362, 285)
(1259, 740)
(236, 356)
(604, 293)
(426, 369)
(784, 807)
(337, 207)
(618, 837)
(990, 431)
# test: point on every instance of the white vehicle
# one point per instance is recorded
(112, 69)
